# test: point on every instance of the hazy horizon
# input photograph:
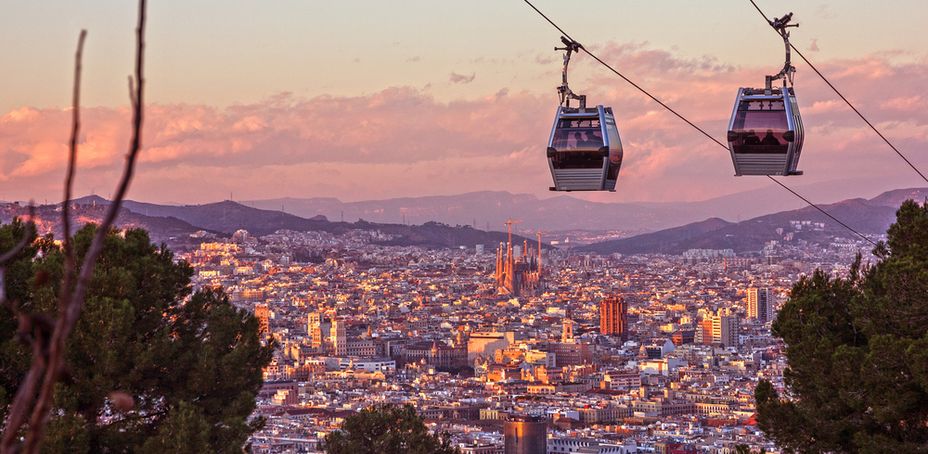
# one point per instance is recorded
(830, 187)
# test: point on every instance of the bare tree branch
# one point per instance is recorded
(49, 350)
(39, 341)
(132, 100)
(69, 176)
(23, 397)
(26, 392)
(70, 312)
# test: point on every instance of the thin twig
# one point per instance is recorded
(69, 310)
(25, 394)
(69, 176)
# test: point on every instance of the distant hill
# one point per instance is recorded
(489, 209)
(172, 223)
(871, 217)
(48, 220)
(663, 241)
(896, 197)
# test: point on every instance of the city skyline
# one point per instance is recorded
(332, 230)
(468, 109)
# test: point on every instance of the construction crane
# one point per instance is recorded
(509, 223)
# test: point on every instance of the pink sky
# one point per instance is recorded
(409, 140)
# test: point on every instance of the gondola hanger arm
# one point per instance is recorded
(564, 91)
(780, 25)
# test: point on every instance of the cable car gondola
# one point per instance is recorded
(765, 133)
(584, 150)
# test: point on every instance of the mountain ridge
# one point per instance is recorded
(870, 217)
(173, 223)
(561, 213)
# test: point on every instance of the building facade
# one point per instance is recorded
(759, 304)
(525, 435)
(613, 317)
(725, 330)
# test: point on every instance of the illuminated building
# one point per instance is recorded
(725, 330)
(525, 435)
(759, 307)
(613, 317)
(520, 275)
(435, 354)
(339, 337)
(263, 314)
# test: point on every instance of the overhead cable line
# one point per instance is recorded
(626, 79)
(681, 117)
(819, 209)
(862, 117)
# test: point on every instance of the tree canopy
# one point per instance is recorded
(188, 361)
(386, 428)
(857, 352)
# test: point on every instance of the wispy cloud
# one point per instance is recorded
(456, 78)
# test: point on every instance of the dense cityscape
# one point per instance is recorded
(353, 228)
(604, 354)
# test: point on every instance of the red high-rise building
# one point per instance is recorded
(613, 317)
(263, 314)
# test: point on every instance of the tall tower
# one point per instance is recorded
(525, 435)
(314, 328)
(509, 223)
(507, 279)
(567, 329)
(538, 235)
(703, 334)
(499, 265)
(313, 320)
(339, 337)
(758, 304)
(725, 330)
(613, 317)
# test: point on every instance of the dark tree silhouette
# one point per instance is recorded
(857, 351)
(386, 428)
(152, 365)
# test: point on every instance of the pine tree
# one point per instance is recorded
(386, 428)
(857, 352)
(189, 362)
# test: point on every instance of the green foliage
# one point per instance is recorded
(184, 431)
(190, 360)
(14, 356)
(857, 350)
(386, 428)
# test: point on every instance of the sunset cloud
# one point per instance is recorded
(402, 141)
